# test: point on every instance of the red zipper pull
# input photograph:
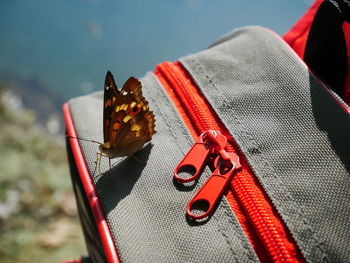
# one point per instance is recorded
(196, 158)
(209, 194)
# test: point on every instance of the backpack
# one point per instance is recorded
(250, 162)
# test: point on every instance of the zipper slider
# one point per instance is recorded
(196, 158)
(203, 203)
(210, 143)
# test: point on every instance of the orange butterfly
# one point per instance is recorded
(127, 122)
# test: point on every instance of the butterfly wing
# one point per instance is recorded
(133, 134)
(110, 94)
(134, 86)
(142, 128)
(132, 123)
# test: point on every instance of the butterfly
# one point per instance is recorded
(127, 121)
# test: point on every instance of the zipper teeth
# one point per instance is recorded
(204, 118)
(270, 232)
(196, 107)
(197, 114)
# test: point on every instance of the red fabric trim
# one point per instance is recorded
(297, 36)
(91, 194)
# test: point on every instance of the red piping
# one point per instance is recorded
(91, 194)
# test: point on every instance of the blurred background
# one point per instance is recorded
(52, 50)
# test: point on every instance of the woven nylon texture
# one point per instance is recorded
(145, 209)
(293, 133)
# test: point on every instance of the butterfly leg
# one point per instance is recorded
(98, 161)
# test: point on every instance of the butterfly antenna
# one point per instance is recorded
(81, 139)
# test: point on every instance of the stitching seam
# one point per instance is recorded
(255, 148)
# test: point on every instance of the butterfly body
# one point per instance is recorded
(127, 121)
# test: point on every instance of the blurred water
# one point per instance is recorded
(68, 45)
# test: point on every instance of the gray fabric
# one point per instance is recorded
(145, 209)
(293, 133)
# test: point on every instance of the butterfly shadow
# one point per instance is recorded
(117, 183)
